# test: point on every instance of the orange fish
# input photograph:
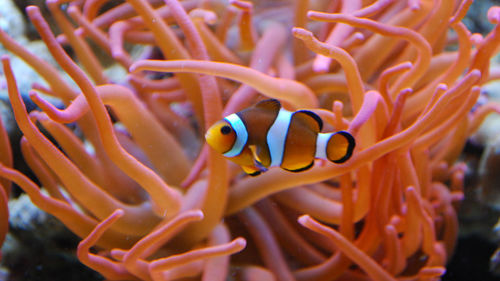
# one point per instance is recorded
(267, 135)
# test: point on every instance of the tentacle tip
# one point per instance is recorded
(359, 36)
(199, 214)
(138, 66)
(311, 14)
(494, 15)
(406, 91)
(458, 196)
(243, 5)
(33, 94)
(407, 64)
(5, 58)
(79, 31)
(414, 6)
(37, 115)
(476, 72)
(432, 272)
(117, 54)
(52, 2)
(476, 38)
(240, 242)
(207, 16)
(442, 86)
(453, 21)
(72, 10)
(304, 219)
(301, 33)
(389, 228)
(61, 39)
(134, 67)
(410, 190)
(338, 103)
(32, 9)
(119, 213)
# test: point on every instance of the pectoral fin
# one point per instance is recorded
(260, 155)
(253, 149)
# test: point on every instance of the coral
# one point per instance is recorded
(131, 188)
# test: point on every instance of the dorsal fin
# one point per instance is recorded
(310, 118)
(270, 104)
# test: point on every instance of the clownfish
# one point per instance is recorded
(267, 135)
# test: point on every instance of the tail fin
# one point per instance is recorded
(340, 146)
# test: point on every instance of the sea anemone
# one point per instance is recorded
(141, 186)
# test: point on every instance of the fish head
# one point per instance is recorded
(221, 136)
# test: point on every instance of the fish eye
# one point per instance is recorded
(225, 130)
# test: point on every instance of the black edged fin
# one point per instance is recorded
(270, 104)
(310, 118)
(254, 174)
(350, 146)
(260, 166)
(251, 171)
(257, 162)
(302, 169)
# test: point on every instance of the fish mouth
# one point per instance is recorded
(209, 137)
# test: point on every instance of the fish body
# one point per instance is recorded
(267, 135)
